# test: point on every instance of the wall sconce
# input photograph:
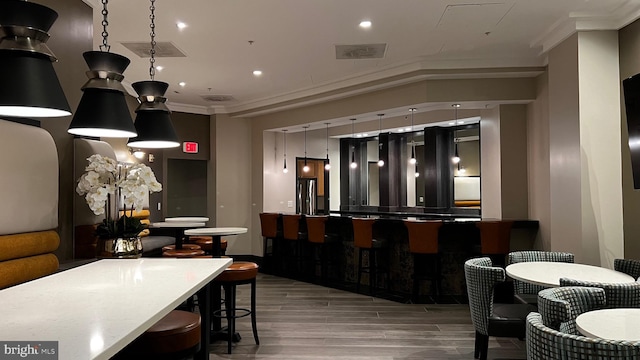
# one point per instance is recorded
(137, 153)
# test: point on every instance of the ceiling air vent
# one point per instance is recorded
(364, 51)
(217, 98)
(163, 49)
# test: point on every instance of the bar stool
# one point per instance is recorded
(495, 237)
(206, 244)
(423, 245)
(319, 241)
(175, 336)
(291, 232)
(184, 253)
(364, 241)
(184, 247)
(238, 273)
(270, 231)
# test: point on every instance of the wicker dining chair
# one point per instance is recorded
(545, 343)
(561, 306)
(489, 318)
(528, 293)
(618, 295)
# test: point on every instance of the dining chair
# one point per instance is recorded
(545, 343)
(561, 306)
(527, 293)
(630, 267)
(618, 295)
(489, 318)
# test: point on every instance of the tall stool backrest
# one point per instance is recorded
(423, 236)
(291, 226)
(316, 228)
(495, 236)
(269, 224)
(363, 233)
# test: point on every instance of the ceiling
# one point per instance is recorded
(294, 43)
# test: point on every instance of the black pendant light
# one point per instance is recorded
(30, 87)
(327, 165)
(284, 140)
(103, 110)
(153, 120)
(305, 168)
(412, 159)
(380, 161)
(354, 164)
(456, 158)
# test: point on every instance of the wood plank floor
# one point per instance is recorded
(297, 320)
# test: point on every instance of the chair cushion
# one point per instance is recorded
(178, 330)
(509, 319)
(238, 271)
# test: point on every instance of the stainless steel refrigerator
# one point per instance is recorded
(306, 196)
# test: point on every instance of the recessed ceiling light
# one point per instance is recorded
(182, 83)
(257, 72)
(181, 25)
(159, 68)
(456, 105)
(365, 24)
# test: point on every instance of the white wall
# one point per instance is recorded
(599, 89)
(490, 168)
(233, 181)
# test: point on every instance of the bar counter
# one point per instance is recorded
(458, 240)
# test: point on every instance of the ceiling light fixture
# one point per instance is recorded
(181, 25)
(182, 83)
(159, 68)
(380, 161)
(365, 24)
(412, 159)
(284, 139)
(305, 168)
(153, 120)
(103, 110)
(30, 85)
(327, 165)
(257, 72)
(354, 164)
(416, 172)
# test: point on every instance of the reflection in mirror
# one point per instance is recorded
(374, 184)
(415, 173)
(466, 185)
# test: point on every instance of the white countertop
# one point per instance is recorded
(96, 309)
(549, 273)
(219, 231)
(187, 219)
(610, 324)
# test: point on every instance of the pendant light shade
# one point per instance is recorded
(306, 167)
(412, 160)
(30, 85)
(103, 110)
(380, 161)
(153, 121)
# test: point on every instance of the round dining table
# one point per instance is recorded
(548, 274)
(179, 228)
(187, 219)
(610, 324)
(216, 233)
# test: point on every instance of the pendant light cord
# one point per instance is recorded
(152, 52)
(305, 142)
(327, 124)
(284, 132)
(105, 22)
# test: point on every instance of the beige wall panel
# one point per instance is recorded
(602, 225)
(490, 182)
(538, 163)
